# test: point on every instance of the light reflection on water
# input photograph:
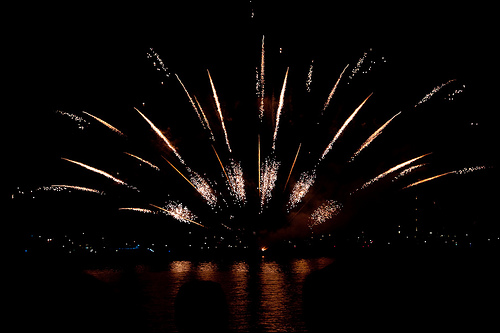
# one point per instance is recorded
(262, 296)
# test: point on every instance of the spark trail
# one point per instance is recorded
(463, 171)
(199, 184)
(199, 111)
(163, 137)
(262, 81)
(391, 170)
(291, 169)
(140, 210)
(143, 161)
(79, 120)
(309, 77)
(360, 62)
(341, 130)
(333, 90)
(179, 212)
(435, 90)
(158, 61)
(212, 137)
(259, 164)
(190, 99)
(280, 108)
(373, 137)
(219, 111)
(103, 173)
(114, 129)
(72, 187)
(234, 177)
(467, 170)
(408, 171)
(427, 179)
(180, 173)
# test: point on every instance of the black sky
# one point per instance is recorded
(93, 58)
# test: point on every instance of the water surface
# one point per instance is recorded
(262, 296)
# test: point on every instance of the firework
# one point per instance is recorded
(79, 120)
(259, 164)
(333, 90)
(451, 96)
(373, 136)
(325, 212)
(219, 111)
(269, 174)
(140, 210)
(301, 188)
(467, 170)
(463, 171)
(309, 77)
(435, 90)
(103, 173)
(236, 180)
(199, 184)
(280, 108)
(199, 111)
(157, 62)
(205, 122)
(179, 212)
(291, 169)
(203, 187)
(408, 171)
(190, 100)
(268, 167)
(341, 130)
(427, 179)
(144, 161)
(360, 62)
(262, 81)
(391, 170)
(114, 129)
(59, 188)
(180, 173)
(234, 177)
(160, 134)
(220, 162)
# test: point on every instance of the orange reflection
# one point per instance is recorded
(238, 296)
(274, 298)
(180, 266)
(207, 271)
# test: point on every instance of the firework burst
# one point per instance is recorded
(325, 212)
(268, 177)
(288, 188)
(301, 188)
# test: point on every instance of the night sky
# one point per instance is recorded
(81, 58)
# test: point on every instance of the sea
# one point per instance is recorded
(262, 295)
(450, 289)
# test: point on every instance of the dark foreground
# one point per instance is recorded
(359, 291)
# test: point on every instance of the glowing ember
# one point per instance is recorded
(325, 212)
(301, 188)
(269, 174)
